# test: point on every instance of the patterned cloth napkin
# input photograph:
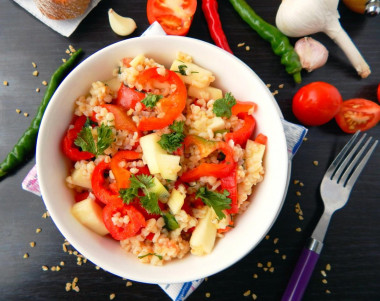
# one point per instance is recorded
(64, 27)
(180, 291)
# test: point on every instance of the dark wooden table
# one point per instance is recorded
(352, 245)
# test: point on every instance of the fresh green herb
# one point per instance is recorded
(221, 131)
(170, 221)
(182, 69)
(171, 142)
(149, 200)
(151, 100)
(151, 254)
(218, 201)
(86, 141)
(222, 106)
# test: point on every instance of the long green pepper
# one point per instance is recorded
(26, 144)
(279, 42)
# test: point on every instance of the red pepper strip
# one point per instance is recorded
(99, 184)
(242, 135)
(122, 120)
(262, 139)
(243, 107)
(121, 174)
(128, 98)
(230, 184)
(172, 105)
(210, 10)
(72, 151)
(206, 147)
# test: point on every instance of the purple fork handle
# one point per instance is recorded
(301, 275)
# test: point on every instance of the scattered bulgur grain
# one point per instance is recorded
(275, 92)
(64, 60)
(5, 83)
(32, 244)
(259, 265)
(302, 184)
(323, 273)
(45, 268)
(275, 241)
(98, 268)
(53, 268)
(67, 51)
(112, 296)
(269, 264)
(34, 65)
(271, 269)
(76, 288)
(247, 293)
(254, 296)
(296, 182)
(26, 114)
(68, 287)
(255, 276)
(298, 229)
(207, 295)
(277, 251)
(44, 83)
(267, 237)
(328, 292)
(38, 230)
(324, 281)
(300, 217)
(328, 267)
(64, 248)
(315, 163)
(47, 214)
(305, 139)
(283, 256)
(35, 73)
(247, 48)
(298, 193)
(129, 283)
(265, 269)
(72, 49)
(268, 85)
(281, 86)
(38, 90)
(241, 44)
(26, 255)
(75, 252)
(57, 268)
(18, 111)
(62, 263)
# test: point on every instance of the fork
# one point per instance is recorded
(335, 190)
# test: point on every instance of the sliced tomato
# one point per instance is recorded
(230, 184)
(128, 98)
(261, 138)
(243, 107)
(175, 16)
(131, 227)
(358, 114)
(121, 174)
(122, 120)
(100, 186)
(242, 135)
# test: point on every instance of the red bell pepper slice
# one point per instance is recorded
(122, 120)
(121, 174)
(172, 105)
(128, 98)
(69, 148)
(100, 187)
(126, 230)
(242, 135)
(206, 147)
(230, 184)
(243, 107)
(261, 138)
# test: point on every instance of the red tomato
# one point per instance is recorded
(126, 230)
(262, 139)
(243, 107)
(316, 103)
(99, 184)
(242, 135)
(358, 114)
(121, 174)
(175, 16)
(230, 184)
(128, 98)
(122, 120)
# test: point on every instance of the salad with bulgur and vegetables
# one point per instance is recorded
(161, 160)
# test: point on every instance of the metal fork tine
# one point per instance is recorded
(352, 163)
(351, 181)
(347, 159)
(330, 171)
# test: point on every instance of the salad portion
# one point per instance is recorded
(162, 161)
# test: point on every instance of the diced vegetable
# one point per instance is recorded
(206, 93)
(90, 214)
(81, 178)
(217, 124)
(169, 166)
(192, 74)
(151, 150)
(203, 238)
(176, 201)
(159, 189)
(113, 83)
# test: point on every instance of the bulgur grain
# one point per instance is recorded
(298, 229)
(267, 237)
(35, 73)
(275, 241)
(112, 296)
(259, 265)
(38, 230)
(26, 114)
(255, 276)
(323, 273)
(281, 86)
(37, 90)
(328, 292)
(324, 281)
(241, 44)
(283, 256)
(5, 83)
(45, 268)
(277, 251)
(32, 244)
(129, 283)
(18, 111)
(34, 65)
(298, 193)
(315, 163)
(247, 293)
(44, 83)
(208, 295)
(254, 296)
(328, 267)
(26, 255)
(271, 269)
(247, 48)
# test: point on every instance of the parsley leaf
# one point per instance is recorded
(171, 142)
(86, 141)
(218, 201)
(148, 254)
(149, 200)
(151, 100)
(170, 221)
(182, 69)
(222, 106)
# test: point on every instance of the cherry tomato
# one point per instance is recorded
(175, 16)
(126, 229)
(316, 103)
(128, 98)
(358, 114)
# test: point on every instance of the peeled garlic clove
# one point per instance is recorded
(122, 26)
(312, 53)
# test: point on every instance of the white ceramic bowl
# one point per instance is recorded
(231, 75)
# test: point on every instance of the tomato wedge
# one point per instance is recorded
(121, 174)
(128, 98)
(358, 114)
(122, 120)
(129, 226)
(175, 16)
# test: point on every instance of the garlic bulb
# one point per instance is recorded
(312, 53)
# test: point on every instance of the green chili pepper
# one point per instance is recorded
(26, 144)
(279, 42)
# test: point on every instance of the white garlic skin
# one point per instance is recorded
(312, 53)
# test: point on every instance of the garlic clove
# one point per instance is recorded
(312, 53)
(122, 26)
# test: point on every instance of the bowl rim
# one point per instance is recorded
(39, 158)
